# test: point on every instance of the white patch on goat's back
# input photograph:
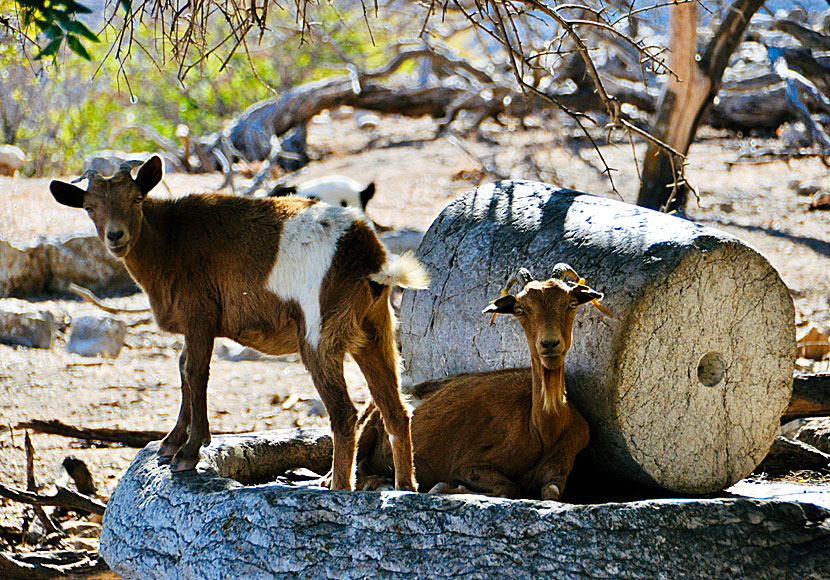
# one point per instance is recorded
(307, 246)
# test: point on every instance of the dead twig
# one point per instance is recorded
(51, 564)
(137, 439)
(50, 526)
(88, 296)
(64, 498)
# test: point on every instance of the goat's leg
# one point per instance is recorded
(378, 360)
(178, 435)
(199, 347)
(326, 368)
(551, 475)
(484, 480)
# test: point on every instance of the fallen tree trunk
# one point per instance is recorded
(206, 525)
(683, 388)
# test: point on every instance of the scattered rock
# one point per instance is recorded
(400, 241)
(366, 120)
(793, 135)
(85, 261)
(11, 160)
(790, 454)
(234, 352)
(807, 189)
(97, 334)
(22, 323)
(812, 343)
(318, 408)
(24, 269)
(51, 265)
(821, 200)
(816, 432)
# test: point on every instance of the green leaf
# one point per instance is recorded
(52, 30)
(76, 8)
(79, 28)
(77, 47)
(50, 49)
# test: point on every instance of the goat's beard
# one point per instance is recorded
(552, 362)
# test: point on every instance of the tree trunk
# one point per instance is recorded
(683, 388)
(203, 525)
(685, 98)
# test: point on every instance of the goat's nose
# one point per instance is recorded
(115, 235)
(550, 343)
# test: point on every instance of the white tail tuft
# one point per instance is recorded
(404, 270)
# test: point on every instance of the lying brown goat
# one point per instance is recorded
(509, 433)
(280, 275)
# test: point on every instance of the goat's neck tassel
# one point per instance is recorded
(549, 398)
(147, 252)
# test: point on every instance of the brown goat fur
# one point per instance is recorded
(280, 275)
(509, 433)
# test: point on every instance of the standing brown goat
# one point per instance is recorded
(509, 433)
(279, 275)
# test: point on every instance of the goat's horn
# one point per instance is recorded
(128, 166)
(523, 276)
(561, 270)
(88, 174)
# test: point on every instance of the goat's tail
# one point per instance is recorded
(404, 270)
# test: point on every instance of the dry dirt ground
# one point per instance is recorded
(416, 177)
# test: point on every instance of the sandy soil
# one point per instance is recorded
(416, 177)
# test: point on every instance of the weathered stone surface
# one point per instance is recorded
(235, 352)
(11, 159)
(24, 269)
(51, 265)
(203, 525)
(816, 432)
(400, 241)
(790, 455)
(97, 334)
(84, 260)
(692, 307)
(24, 324)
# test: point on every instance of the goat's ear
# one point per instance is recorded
(367, 194)
(504, 305)
(150, 174)
(585, 294)
(67, 194)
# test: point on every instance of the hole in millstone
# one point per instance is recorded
(710, 369)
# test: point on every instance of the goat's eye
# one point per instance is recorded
(518, 311)
(89, 210)
(573, 304)
(137, 200)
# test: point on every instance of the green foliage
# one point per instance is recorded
(83, 101)
(56, 21)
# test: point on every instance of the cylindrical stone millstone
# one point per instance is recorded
(683, 387)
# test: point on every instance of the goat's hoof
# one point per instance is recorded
(404, 486)
(374, 483)
(183, 464)
(440, 487)
(167, 450)
(551, 491)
